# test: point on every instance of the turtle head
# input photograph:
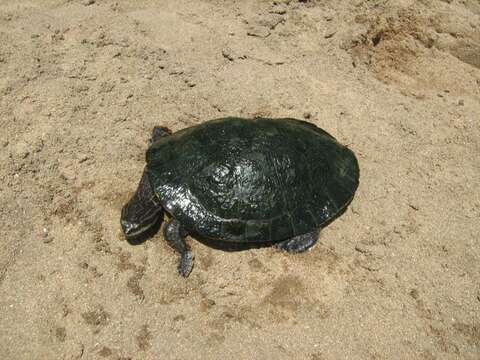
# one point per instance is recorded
(142, 215)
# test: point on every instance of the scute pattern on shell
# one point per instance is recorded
(237, 179)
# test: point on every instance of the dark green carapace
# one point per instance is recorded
(243, 180)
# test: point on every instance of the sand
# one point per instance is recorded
(82, 83)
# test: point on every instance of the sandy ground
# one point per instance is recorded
(83, 82)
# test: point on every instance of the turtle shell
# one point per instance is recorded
(259, 180)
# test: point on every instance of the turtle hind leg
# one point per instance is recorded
(299, 243)
(175, 236)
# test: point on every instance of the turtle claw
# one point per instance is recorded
(186, 263)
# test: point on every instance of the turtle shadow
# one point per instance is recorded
(231, 246)
(243, 246)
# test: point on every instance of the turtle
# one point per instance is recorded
(275, 181)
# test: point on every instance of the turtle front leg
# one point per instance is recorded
(159, 132)
(299, 243)
(175, 236)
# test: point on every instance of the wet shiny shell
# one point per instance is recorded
(245, 180)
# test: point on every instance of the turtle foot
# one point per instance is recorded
(186, 263)
(299, 243)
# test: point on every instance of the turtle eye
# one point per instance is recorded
(128, 227)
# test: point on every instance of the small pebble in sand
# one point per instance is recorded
(228, 54)
(88, 2)
(258, 31)
(280, 11)
(82, 158)
(46, 236)
(414, 206)
(414, 293)
(329, 33)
